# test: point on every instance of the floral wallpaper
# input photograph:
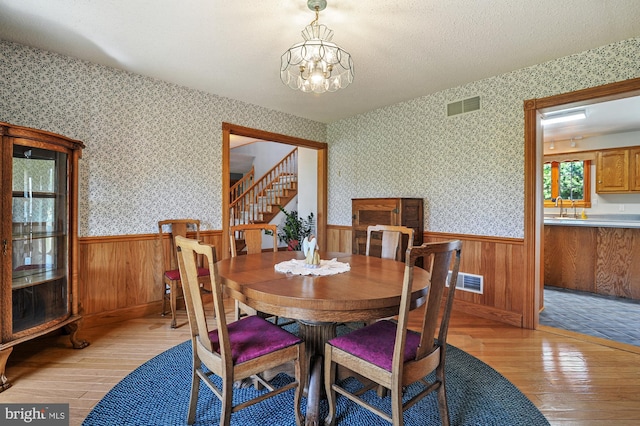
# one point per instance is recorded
(468, 168)
(153, 149)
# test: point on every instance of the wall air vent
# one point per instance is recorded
(465, 105)
(468, 282)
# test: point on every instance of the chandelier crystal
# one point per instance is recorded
(316, 65)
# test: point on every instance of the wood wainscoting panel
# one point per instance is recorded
(117, 273)
(339, 238)
(121, 276)
(499, 260)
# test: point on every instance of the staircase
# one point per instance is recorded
(258, 201)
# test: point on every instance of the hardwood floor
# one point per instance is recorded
(572, 379)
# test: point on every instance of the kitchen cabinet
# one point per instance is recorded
(618, 170)
(601, 260)
(634, 156)
(385, 211)
(38, 217)
(570, 257)
(612, 171)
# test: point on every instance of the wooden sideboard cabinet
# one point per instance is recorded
(38, 291)
(385, 211)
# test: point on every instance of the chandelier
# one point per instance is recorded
(316, 65)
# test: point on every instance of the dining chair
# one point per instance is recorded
(233, 351)
(391, 244)
(171, 275)
(387, 354)
(248, 238)
(390, 247)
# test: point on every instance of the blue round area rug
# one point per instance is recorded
(157, 393)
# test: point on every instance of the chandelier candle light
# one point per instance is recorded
(316, 65)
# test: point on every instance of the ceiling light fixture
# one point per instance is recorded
(316, 65)
(552, 145)
(563, 117)
(574, 139)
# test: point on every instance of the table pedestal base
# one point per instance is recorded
(315, 335)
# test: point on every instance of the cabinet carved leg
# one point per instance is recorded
(4, 355)
(72, 329)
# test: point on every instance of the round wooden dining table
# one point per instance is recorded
(370, 290)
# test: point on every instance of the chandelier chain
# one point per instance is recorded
(315, 21)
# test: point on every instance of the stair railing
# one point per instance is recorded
(247, 207)
(241, 186)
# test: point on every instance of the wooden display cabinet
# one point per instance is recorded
(385, 211)
(38, 288)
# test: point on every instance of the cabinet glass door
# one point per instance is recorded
(40, 237)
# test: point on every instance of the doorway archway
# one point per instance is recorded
(533, 204)
(321, 147)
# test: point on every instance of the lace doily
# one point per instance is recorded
(297, 267)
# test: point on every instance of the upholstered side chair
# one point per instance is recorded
(233, 351)
(387, 353)
(247, 238)
(171, 291)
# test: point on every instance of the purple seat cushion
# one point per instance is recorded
(174, 274)
(252, 337)
(374, 343)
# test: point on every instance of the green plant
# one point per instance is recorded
(295, 229)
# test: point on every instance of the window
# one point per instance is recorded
(568, 179)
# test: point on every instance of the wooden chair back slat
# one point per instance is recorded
(391, 242)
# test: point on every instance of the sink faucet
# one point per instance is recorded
(562, 213)
(575, 211)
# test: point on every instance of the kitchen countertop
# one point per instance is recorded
(599, 221)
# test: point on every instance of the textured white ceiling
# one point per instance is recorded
(402, 49)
